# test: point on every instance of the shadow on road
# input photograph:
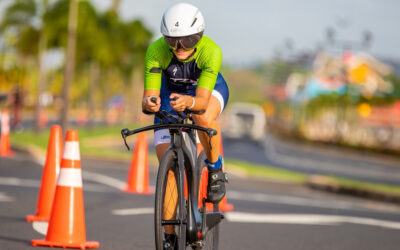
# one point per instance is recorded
(14, 239)
(11, 218)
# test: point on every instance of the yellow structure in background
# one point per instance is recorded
(364, 110)
(268, 108)
(359, 74)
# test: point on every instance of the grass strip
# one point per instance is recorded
(266, 172)
(41, 139)
(368, 186)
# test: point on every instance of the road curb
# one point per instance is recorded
(38, 154)
(328, 184)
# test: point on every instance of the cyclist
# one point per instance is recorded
(182, 71)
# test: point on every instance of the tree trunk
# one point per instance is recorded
(135, 104)
(42, 73)
(115, 5)
(94, 79)
(41, 83)
(70, 61)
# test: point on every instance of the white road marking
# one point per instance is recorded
(308, 219)
(40, 226)
(5, 198)
(299, 219)
(287, 200)
(12, 181)
(19, 182)
(104, 179)
(309, 202)
(133, 211)
(108, 181)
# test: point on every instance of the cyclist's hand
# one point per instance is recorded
(180, 102)
(148, 105)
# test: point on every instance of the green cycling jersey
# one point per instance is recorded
(200, 69)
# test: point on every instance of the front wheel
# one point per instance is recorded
(170, 206)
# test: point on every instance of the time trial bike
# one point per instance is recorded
(194, 226)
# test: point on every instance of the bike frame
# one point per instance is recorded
(183, 144)
(187, 163)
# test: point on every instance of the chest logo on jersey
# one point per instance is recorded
(174, 70)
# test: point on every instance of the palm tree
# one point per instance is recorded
(106, 46)
(70, 61)
(137, 38)
(116, 46)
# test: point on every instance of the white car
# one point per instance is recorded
(245, 120)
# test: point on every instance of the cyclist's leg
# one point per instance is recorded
(217, 103)
(210, 119)
(216, 186)
(171, 192)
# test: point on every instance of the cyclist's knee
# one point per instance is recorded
(204, 120)
(161, 149)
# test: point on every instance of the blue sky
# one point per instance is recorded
(252, 30)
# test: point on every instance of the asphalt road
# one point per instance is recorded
(266, 216)
(317, 159)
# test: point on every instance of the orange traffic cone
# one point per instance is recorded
(203, 189)
(223, 205)
(138, 177)
(49, 177)
(5, 148)
(67, 221)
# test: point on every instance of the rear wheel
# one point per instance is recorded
(170, 207)
(212, 236)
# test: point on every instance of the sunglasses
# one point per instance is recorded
(185, 42)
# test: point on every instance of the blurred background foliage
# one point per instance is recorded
(330, 93)
(109, 51)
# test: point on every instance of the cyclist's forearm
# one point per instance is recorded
(201, 99)
(198, 103)
(150, 92)
(145, 101)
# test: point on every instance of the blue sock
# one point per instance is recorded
(216, 165)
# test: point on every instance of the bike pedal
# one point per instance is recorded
(226, 179)
(198, 244)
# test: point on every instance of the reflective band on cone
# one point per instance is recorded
(67, 227)
(71, 151)
(5, 123)
(5, 148)
(70, 177)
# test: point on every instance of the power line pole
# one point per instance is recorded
(42, 72)
(69, 61)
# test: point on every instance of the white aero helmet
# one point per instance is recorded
(182, 20)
